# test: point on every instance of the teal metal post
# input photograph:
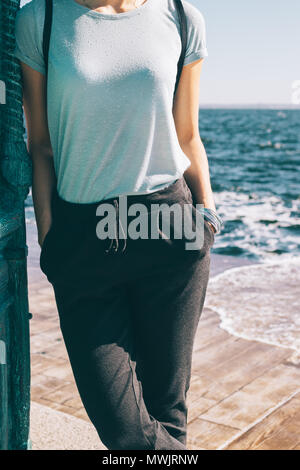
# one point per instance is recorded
(15, 180)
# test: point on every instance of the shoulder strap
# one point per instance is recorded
(183, 32)
(47, 30)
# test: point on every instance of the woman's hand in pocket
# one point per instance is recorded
(211, 226)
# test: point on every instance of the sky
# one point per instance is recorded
(253, 48)
(253, 51)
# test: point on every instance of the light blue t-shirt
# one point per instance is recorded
(111, 80)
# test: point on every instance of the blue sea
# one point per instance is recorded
(254, 159)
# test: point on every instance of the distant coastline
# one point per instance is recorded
(251, 106)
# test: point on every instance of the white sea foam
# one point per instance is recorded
(258, 225)
(260, 302)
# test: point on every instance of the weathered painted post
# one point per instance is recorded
(15, 180)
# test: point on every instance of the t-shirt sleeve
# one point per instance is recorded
(28, 35)
(196, 35)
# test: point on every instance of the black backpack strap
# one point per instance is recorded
(47, 30)
(183, 32)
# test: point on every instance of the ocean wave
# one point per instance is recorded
(257, 226)
(259, 302)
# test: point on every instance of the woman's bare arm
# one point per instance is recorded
(39, 147)
(186, 117)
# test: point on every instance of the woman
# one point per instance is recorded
(128, 307)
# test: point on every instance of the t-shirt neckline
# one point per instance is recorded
(112, 16)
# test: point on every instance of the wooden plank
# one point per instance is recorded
(214, 355)
(48, 383)
(196, 408)
(40, 363)
(207, 435)
(65, 393)
(41, 327)
(81, 413)
(206, 339)
(229, 376)
(63, 372)
(55, 350)
(278, 431)
(252, 401)
(40, 343)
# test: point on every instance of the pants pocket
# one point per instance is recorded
(208, 231)
(212, 233)
(184, 231)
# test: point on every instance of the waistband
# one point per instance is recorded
(85, 210)
(69, 211)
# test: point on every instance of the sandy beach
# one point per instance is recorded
(244, 393)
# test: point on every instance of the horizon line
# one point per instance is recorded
(250, 105)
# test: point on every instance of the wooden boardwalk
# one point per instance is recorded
(243, 394)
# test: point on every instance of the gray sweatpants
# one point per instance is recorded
(128, 317)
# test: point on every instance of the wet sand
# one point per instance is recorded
(244, 394)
